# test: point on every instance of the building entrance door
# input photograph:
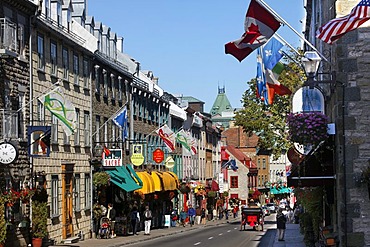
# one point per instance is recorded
(67, 200)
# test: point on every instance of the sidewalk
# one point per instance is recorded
(154, 233)
(293, 237)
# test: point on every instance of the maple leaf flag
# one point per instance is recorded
(336, 28)
(259, 26)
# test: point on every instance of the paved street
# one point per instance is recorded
(293, 238)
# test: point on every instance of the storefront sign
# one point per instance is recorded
(114, 158)
(169, 163)
(137, 157)
(221, 182)
(158, 155)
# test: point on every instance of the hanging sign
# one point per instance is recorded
(137, 157)
(169, 163)
(114, 158)
(158, 155)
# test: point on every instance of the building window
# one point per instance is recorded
(97, 79)
(77, 131)
(75, 68)
(47, 9)
(65, 63)
(87, 191)
(86, 73)
(40, 112)
(54, 196)
(97, 129)
(66, 139)
(54, 129)
(53, 58)
(40, 52)
(234, 182)
(264, 163)
(113, 82)
(77, 193)
(87, 128)
(59, 13)
(105, 78)
(21, 40)
(120, 88)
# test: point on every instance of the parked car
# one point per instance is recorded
(272, 207)
(266, 210)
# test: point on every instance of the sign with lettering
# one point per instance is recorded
(158, 155)
(114, 158)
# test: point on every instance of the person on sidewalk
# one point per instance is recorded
(183, 216)
(281, 224)
(147, 220)
(111, 215)
(198, 215)
(134, 220)
(203, 216)
(174, 217)
(191, 213)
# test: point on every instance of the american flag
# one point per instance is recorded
(336, 28)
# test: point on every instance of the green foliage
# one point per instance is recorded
(101, 179)
(212, 193)
(268, 122)
(2, 222)
(39, 219)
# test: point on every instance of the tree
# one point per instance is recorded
(268, 122)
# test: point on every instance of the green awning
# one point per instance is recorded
(120, 178)
(131, 172)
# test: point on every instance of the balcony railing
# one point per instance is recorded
(8, 35)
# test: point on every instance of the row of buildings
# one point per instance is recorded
(55, 45)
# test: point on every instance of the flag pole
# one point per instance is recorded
(268, 8)
(286, 43)
(110, 118)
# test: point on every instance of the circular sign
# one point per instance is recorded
(137, 159)
(8, 153)
(158, 155)
(169, 163)
(294, 157)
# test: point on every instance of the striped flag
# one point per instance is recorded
(338, 27)
(56, 102)
(168, 137)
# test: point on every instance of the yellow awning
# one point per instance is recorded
(148, 183)
(169, 181)
(157, 181)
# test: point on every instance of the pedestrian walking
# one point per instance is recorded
(183, 216)
(281, 224)
(290, 215)
(134, 220)
(191, 214)
(203, 216)
(147, 220)
(111, 215)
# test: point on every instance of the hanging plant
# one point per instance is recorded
(184, 188)
(212, 193)
(308, 128)
(101, 179)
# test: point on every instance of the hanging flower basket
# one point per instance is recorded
(308, 128)
(101, 179)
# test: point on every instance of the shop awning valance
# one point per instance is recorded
(169, 182)
(148, 183)
(123, 179)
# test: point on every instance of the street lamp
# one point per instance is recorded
(311, 62)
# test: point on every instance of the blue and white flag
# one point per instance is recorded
(271, 53)
(121, 121)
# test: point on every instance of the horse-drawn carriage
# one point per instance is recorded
(252, 216)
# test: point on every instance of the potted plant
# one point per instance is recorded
(39, 222)
(39, 216)
(307, 128)
(101, 179)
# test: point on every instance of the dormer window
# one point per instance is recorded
(47, 9)
(59, 13)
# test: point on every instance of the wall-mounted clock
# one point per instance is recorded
(8, 153)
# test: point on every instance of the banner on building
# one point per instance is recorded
(39, 141)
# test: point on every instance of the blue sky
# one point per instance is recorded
(182, 41)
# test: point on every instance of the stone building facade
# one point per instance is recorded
(348, 107)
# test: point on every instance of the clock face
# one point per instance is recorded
(8, 153)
